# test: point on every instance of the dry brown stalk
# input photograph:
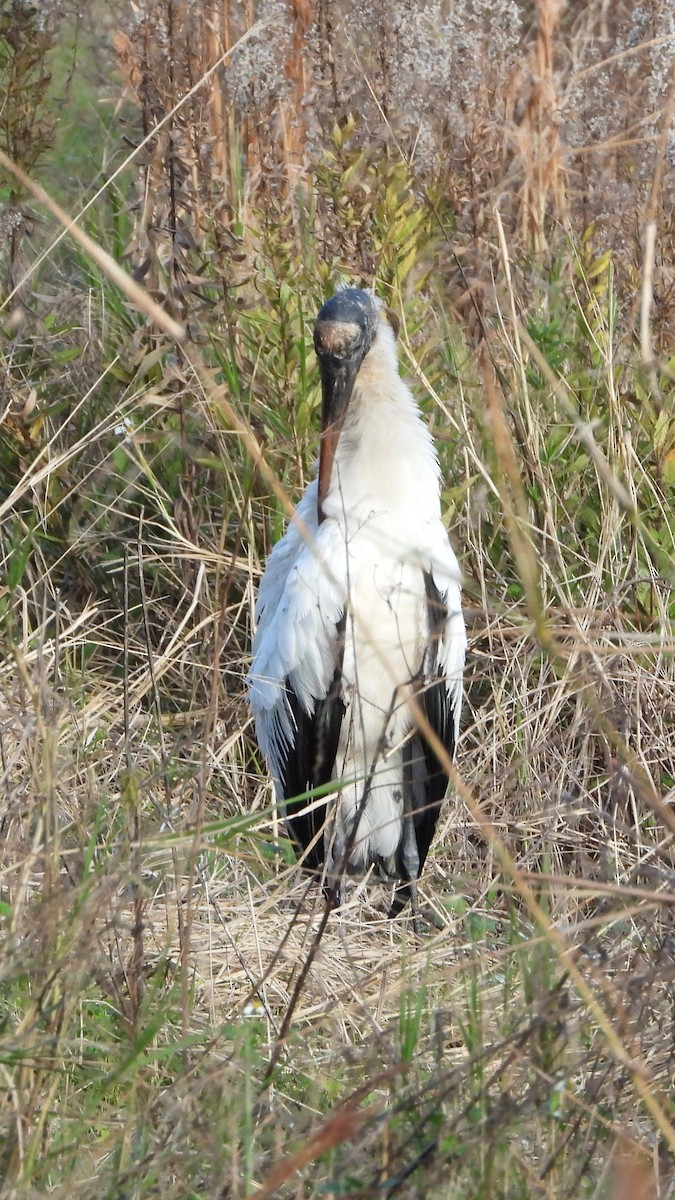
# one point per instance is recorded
(339, 1128)
(292, 116)
(544, 194)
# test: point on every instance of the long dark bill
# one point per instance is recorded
(337, 381)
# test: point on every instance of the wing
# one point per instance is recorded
(295, 677)
(309, 761)
(281, 560)
(440, 694)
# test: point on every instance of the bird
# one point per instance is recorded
(359, 623)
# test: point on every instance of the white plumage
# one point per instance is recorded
(359, 607)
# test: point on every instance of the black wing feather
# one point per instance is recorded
(437, 707)
(310, 761)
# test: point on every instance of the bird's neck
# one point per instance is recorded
(385, 465)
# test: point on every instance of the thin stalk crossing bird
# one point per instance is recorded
(358, 611)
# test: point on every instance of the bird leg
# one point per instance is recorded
(411, 865)
(409, 852)
(335, 884)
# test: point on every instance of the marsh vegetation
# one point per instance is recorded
(503, 173)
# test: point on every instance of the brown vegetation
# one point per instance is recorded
(502, 173)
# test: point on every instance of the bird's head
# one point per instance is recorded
(344, 333)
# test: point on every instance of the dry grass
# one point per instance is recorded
(169, 1021)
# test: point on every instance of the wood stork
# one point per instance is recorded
(358, 609)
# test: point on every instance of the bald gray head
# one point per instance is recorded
(346, 325)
